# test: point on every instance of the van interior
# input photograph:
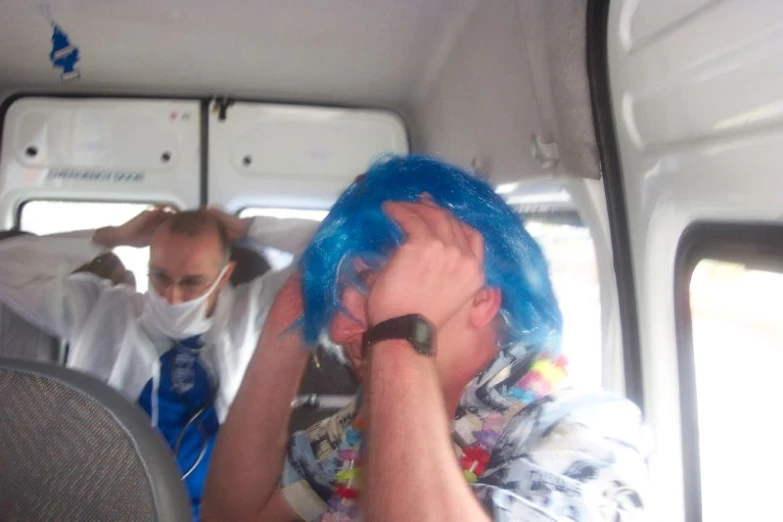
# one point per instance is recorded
(637, 138)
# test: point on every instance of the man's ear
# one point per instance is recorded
(486, 305)
(355, 354)
(347, 331)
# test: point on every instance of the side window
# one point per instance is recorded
(570, 253)
(737, 352)
(277, 258)
(51, 217)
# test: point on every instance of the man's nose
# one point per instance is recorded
(173, 294)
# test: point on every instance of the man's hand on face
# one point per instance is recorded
(136, 233)
(435, 272)
(236, 227)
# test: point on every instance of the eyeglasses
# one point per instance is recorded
(191, 287)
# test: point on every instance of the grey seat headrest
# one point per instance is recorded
(73, 448)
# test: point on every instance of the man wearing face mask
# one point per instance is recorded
(181, 349)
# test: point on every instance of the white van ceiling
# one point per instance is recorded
(367, 52)
(427, 59)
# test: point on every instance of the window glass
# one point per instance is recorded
(570, 254)
(737, 352)
(51, 217)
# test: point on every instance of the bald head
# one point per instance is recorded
(187, 253)
(198, 223)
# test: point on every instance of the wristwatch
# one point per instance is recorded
(414, 328)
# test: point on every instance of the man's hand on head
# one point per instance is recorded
(136, 232)
(435, 272)
(236, 227)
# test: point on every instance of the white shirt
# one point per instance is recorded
(107, 326)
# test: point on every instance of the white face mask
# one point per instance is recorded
(182, 320)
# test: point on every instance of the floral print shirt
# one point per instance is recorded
(532, 448)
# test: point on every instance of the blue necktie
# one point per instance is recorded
(186, 413)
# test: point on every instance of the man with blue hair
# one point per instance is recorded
(429, 285)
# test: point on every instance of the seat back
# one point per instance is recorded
(72, 448)
(325, 389)
(20, 339)
(250, 265)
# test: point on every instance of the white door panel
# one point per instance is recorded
(294, 156)
(100, 149)
(697, 92)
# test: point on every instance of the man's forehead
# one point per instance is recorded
(182, 254)
(181, 272)
(205, 240)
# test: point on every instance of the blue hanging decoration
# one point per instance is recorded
(64, 55)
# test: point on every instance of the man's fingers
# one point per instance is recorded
(217, 212)
(160, 209)
(437, 219)
(426, 218)
(159, 216)
(460, 236)
(152, 221)
(440, 221)
(409, 221)
(475, 240)
(156, 213)
(459, 230)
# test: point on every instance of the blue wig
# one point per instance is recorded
(357, 228)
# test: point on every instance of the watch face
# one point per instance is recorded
(422, 335)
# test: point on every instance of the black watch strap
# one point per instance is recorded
(414, 328)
